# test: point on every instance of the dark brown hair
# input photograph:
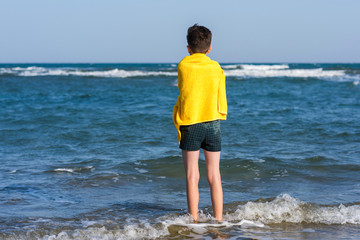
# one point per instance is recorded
(199, 38)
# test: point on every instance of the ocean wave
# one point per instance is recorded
(230, 66)
(257, 215)
(239, 71)
(73, 170)
(115, 73)
(287, 209)
(302, 73)
(179, 226)
(260, 67)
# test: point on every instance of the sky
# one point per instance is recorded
(142, 31)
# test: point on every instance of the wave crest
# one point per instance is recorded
(239, 70)
(116, 73)
(285, 208)
(264, 67)
(249, 215)
(256, 67)
(304, 73)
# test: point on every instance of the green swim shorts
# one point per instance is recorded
(205, 135)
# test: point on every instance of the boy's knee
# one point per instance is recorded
(213, 178)
(193, 177)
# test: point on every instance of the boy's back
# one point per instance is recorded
(202, 98)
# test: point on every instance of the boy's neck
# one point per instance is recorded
(191, 52)
(198, 53)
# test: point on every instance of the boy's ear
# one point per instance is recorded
(189, 50)
(209, 50)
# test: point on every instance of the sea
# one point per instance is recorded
(89, 151)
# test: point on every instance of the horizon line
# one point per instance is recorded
(271, 62)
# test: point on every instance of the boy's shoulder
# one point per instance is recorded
(198, 59)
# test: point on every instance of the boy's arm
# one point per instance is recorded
(176, 112)
(177, 107)
(222, 101)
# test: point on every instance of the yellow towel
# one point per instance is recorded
(202, 97)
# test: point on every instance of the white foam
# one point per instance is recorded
(140, 170)
(230, 66)
(304, 73)
(146, 230)
(283, 208)
(259, 160)
(116, 73)
(258, 67)
(263, 67)
(224, 224)
(72, 170)
(64, 170)
(288, 209)
(89, 223)
(240, 70)
(131, 231)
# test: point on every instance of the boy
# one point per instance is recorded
(197, 114)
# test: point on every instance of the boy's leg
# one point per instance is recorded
(191, 159)
(213, 175)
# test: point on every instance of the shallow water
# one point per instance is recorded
(89, 151)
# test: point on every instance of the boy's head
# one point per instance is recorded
(199, 39)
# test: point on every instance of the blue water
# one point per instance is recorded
(89, 151)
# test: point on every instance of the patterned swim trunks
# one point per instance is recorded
(205, 135)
